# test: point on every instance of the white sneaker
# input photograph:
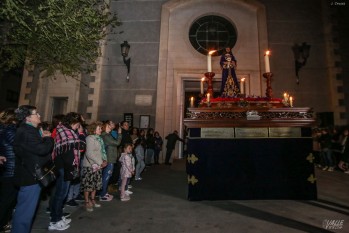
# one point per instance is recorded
(129, 186)
(125, 198)
(58, 226)
(128, 192)
(66, 220)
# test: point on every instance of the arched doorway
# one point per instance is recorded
(178, 59)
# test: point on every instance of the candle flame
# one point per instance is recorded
(192, 98)
(203, 79)
(267, 53)
(212, 52)
(243, 80)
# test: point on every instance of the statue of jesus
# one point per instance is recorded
(230, 86)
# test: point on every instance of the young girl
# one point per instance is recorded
(127, 170)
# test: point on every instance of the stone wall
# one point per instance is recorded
(162, 58)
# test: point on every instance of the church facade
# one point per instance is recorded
(166, 63)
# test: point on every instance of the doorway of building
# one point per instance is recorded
(59, 105)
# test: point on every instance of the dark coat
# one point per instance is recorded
(171, 140)
(7, 136)
(126, 138)
(150, 141)
(111, 146)
(30, 149)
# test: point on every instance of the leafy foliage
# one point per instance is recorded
(54, 35)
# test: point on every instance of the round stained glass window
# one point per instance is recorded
(212, 33)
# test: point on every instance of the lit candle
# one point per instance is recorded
(291, 101)
(242, 86)
(208, 97)
(266, 60)
(209, 62)
(202, 85)
(191, 102)
(285, 96)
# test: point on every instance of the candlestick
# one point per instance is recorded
(291, 101)
(242, 86)
(266, 60)
(269, 90)
(202, 85)
(209, 79)
(209, 62)
(208, 97)
(191, 102)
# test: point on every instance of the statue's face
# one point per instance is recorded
(227, 50)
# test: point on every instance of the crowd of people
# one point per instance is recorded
(89, 159)
(331, 148)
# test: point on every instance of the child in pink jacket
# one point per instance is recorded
(126, 171)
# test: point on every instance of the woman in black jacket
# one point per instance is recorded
(8, 190)
(31, 147)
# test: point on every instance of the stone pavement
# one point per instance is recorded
(159, 205)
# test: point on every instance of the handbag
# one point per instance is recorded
(95, 166)
(45, 174)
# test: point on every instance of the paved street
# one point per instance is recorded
(159, 204)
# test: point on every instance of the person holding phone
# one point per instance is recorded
(31, 147)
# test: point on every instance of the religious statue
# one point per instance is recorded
(230, 86)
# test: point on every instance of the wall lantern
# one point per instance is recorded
(301, 54)
(125, 48)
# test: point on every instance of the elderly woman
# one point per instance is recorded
(95, 159)
(31, 147)
(8, 191)
(111, 147)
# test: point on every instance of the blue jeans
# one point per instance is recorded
(149, 156)
(27, 201)
(106, 174)
(156, 156)
(140, 166)
(74, 191)
(62, 188)
(327, 157)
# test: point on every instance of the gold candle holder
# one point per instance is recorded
(269, 90)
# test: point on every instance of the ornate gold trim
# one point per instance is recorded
(192, 159)
(311, 179)
(310, 158)
(192, 180)
(242, 115)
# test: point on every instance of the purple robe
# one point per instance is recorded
(230, 85)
